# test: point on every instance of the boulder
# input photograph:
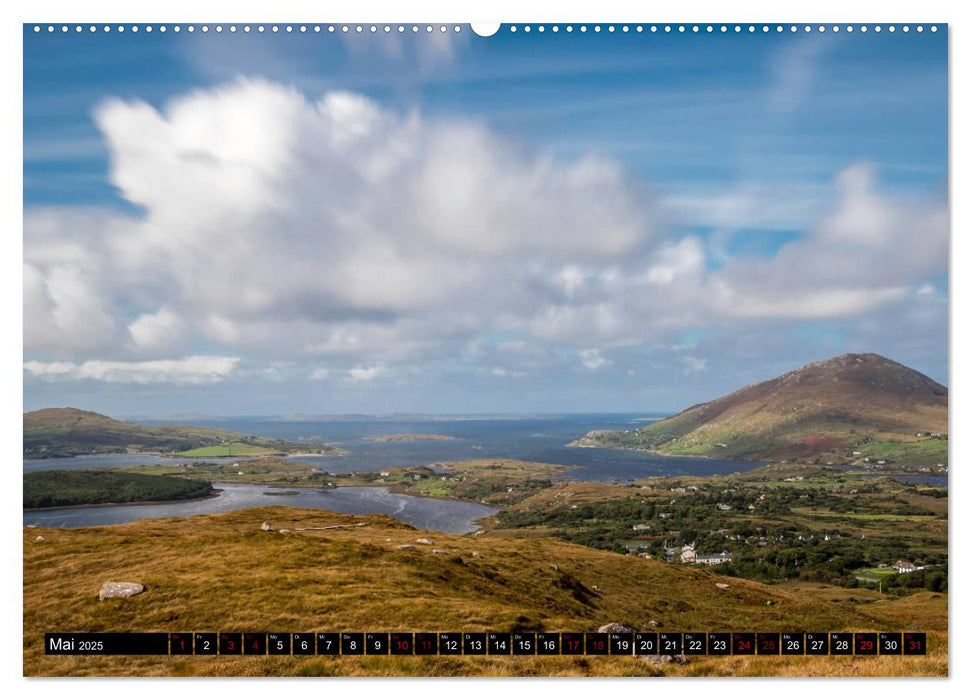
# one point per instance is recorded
(654, 624)
(120, 589)
(439, 551)
(722, 586)
(406, 546)
(284, 531)
(39, 538)
(612, 627)
(266, 526)
(424, 540)
(661, 659)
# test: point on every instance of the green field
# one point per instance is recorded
(889, 517)
(270, 471)
(924, 452)
(232, 449)
(876, 571)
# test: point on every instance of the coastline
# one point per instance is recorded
(475, 523)
(660, 453)
(336, 452)
(391, 487)
(33, 457)
(212, 494)
(841, 466)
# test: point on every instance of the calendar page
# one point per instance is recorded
(523, 349)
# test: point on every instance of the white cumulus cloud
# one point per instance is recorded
(195, 369)
(366, 374)
(592, 359)
(329, 230)
(159, 332)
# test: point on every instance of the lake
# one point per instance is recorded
(454, 517)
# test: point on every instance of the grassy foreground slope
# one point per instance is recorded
(223, 573)
(64, 432)
(851, 409)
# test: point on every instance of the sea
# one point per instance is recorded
(532, 438)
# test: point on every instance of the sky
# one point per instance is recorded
(321, 223)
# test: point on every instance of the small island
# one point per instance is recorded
(408, 437)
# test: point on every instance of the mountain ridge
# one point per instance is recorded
(68, 431)
(854, 408)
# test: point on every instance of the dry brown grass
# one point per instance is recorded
(222, 573)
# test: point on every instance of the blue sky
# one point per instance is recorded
(325, 223)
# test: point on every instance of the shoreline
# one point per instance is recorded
(213, 494)
(659, 453)
(390, 487)
(336, 452)
(32, 458)
(766, 463)
(475, 522)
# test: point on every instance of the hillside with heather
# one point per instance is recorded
(65, 432)
(321, 571)
(860, 409)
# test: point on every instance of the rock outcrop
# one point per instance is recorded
(615, 627)
(120, 589)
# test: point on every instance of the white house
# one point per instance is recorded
(713, 559)
(688, 554)
(905, 567)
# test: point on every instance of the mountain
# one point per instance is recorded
(852, 409)
(64, 432)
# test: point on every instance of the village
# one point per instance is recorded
(770, 525)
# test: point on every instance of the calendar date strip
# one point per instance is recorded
(486, 643)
